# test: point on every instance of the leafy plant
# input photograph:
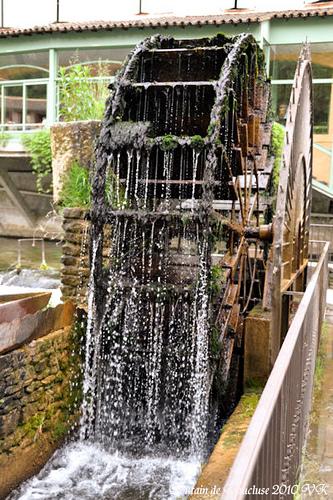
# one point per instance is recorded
(39, 147)
(277, 144)
(114, 191)
(80, 97)
(4, 138)
(76, 188)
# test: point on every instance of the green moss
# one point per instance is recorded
(216, 280)
(59, 430)
(197, 142)
(253, 384)
(211, 128)
(235, 429)
(30, 427)
(215, 345)
(168, 142)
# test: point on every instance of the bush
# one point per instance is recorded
(277, 145)
(39, 147)
(76, 189)
(80, 97)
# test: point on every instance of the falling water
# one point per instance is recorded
(148, 365)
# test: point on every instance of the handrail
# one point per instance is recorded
(270, 453)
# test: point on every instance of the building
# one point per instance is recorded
(30, 58)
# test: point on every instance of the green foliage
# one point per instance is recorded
(4, 138)
(277, 144)
(76, 187)
(216, 280)
(80, 97)
(39, 147)
(114, 191)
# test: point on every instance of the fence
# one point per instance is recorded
(268, 459)
(321, 232)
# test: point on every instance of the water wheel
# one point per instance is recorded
(293, 204)
(182, 184)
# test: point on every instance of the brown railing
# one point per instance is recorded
(321, 232)
(267, 462)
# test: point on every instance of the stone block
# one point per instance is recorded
(76, 226)
(48, 380)
(74, 238)
(75, 271)
(257, 364)
(5, 362)
(28, 411)
(71, 249)
(9, 422)
(36, 384)
(74, 213)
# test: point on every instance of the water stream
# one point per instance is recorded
(31, 275)
(90, 472)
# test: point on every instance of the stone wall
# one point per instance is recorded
(37, 403)
(75, 271)
(72, 141)
(75, 256)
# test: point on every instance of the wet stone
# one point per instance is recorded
(74, 213)
(33, 386)
(48, 380)
(12, 389)
(9, 422)
(5, 362)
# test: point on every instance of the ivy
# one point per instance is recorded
(39, 147)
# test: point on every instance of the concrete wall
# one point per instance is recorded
(22, 218)
(39, 394)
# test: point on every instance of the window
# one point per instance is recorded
(25, 66)
(102, 62)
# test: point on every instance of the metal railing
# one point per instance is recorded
(267, 462)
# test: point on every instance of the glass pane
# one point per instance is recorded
(283, 61)
(103, 62)
(36, 104)
(322, 60)
(24, 66)
(284, 58)
(280, 102)
(283, 69)
(321, 166)
(13, 106)
(321, 107)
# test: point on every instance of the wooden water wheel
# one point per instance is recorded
(185, 148)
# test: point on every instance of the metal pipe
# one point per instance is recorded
(57, 11)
